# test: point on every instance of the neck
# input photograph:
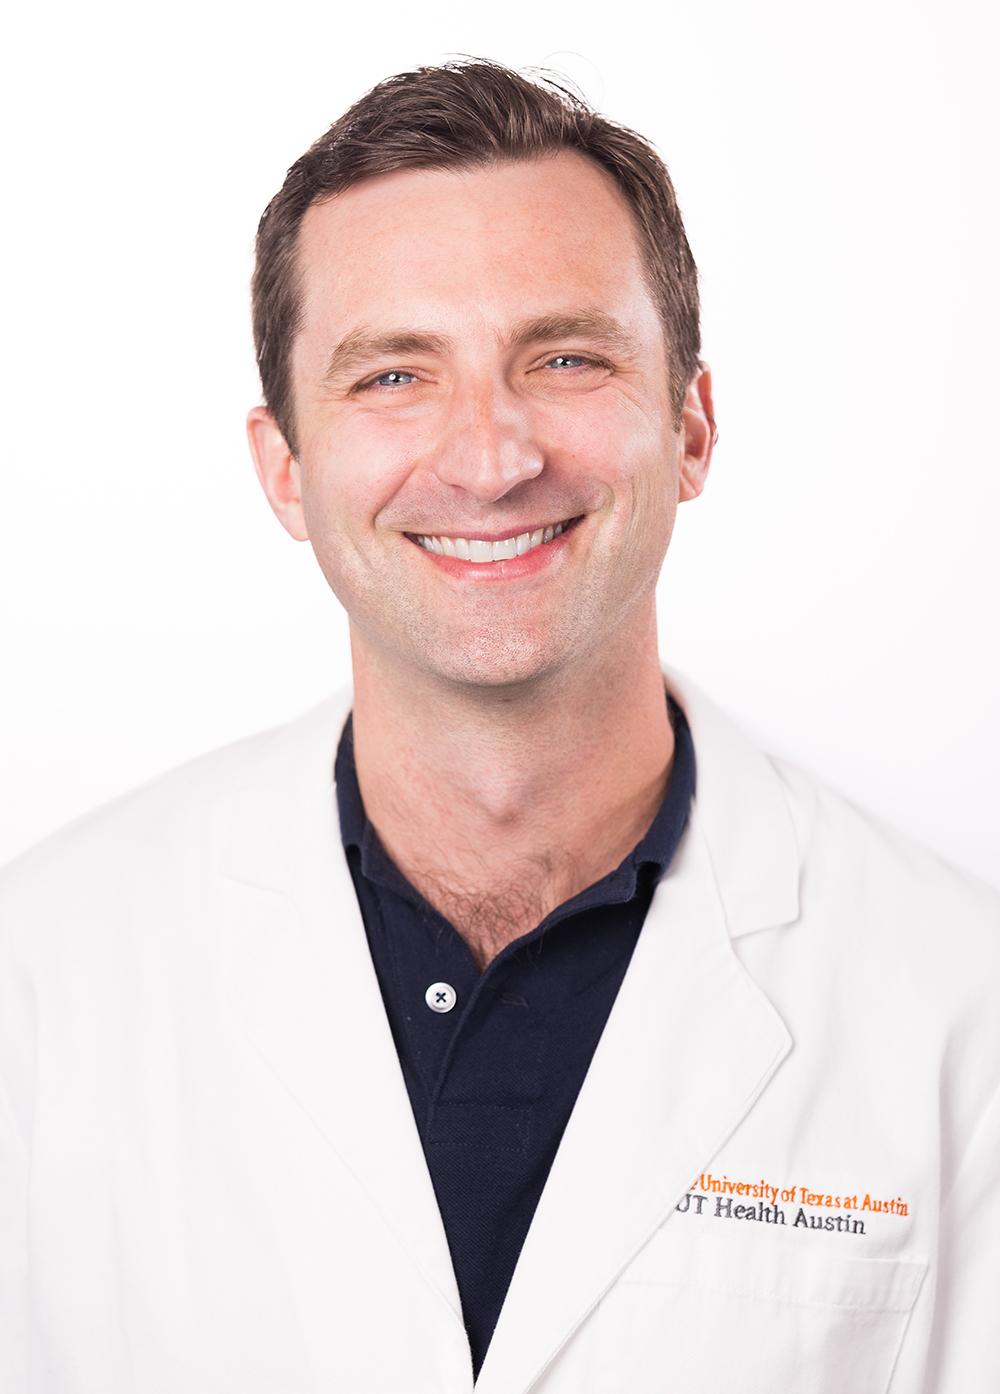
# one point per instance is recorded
(499, 804)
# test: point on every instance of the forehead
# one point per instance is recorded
(490, 243)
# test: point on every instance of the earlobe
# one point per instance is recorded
(278, 471)
(699, 435)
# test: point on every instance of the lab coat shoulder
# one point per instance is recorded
(876, 900)
(120, 904)
(872, 949)
(905, 943)
(833, 832)
(164, 832)
(790, 853)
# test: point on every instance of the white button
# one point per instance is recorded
(440, 997)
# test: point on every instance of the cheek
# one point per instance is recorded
(636, 456)
(351, 475)
(614, 433)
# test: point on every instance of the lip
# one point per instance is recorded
(538, 555)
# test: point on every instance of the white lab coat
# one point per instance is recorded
(212, 1182)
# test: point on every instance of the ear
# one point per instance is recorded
(278, 471)
(698, 434)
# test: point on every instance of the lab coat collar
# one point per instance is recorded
(689, 1046)
(745, 816)
(301, 981)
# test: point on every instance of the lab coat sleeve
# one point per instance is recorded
(965, 1349)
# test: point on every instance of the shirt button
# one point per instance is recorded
(440, 997)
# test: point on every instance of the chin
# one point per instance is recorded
(492, 661)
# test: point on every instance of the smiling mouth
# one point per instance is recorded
(475, 550)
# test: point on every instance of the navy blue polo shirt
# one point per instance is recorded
(494, 1061)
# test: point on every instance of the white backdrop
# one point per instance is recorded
(837, 586)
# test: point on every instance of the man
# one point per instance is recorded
(449, 1034)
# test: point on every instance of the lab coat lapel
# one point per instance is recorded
(303, 987)
(688, 1048)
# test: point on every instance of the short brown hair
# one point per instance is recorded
(464, 114)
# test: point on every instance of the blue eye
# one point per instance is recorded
(566, 360)
(394, 378)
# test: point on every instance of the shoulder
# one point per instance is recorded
(164, 827)
(889, 939)
(848, 877)
(858, 860)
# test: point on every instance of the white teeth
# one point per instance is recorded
(473, 549)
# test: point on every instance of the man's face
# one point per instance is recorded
(481, 369)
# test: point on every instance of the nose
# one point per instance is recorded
(486, 446)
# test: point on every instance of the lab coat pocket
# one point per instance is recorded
(699, 1313)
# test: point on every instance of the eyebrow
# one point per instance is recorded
(361, 346)
(587, 324)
